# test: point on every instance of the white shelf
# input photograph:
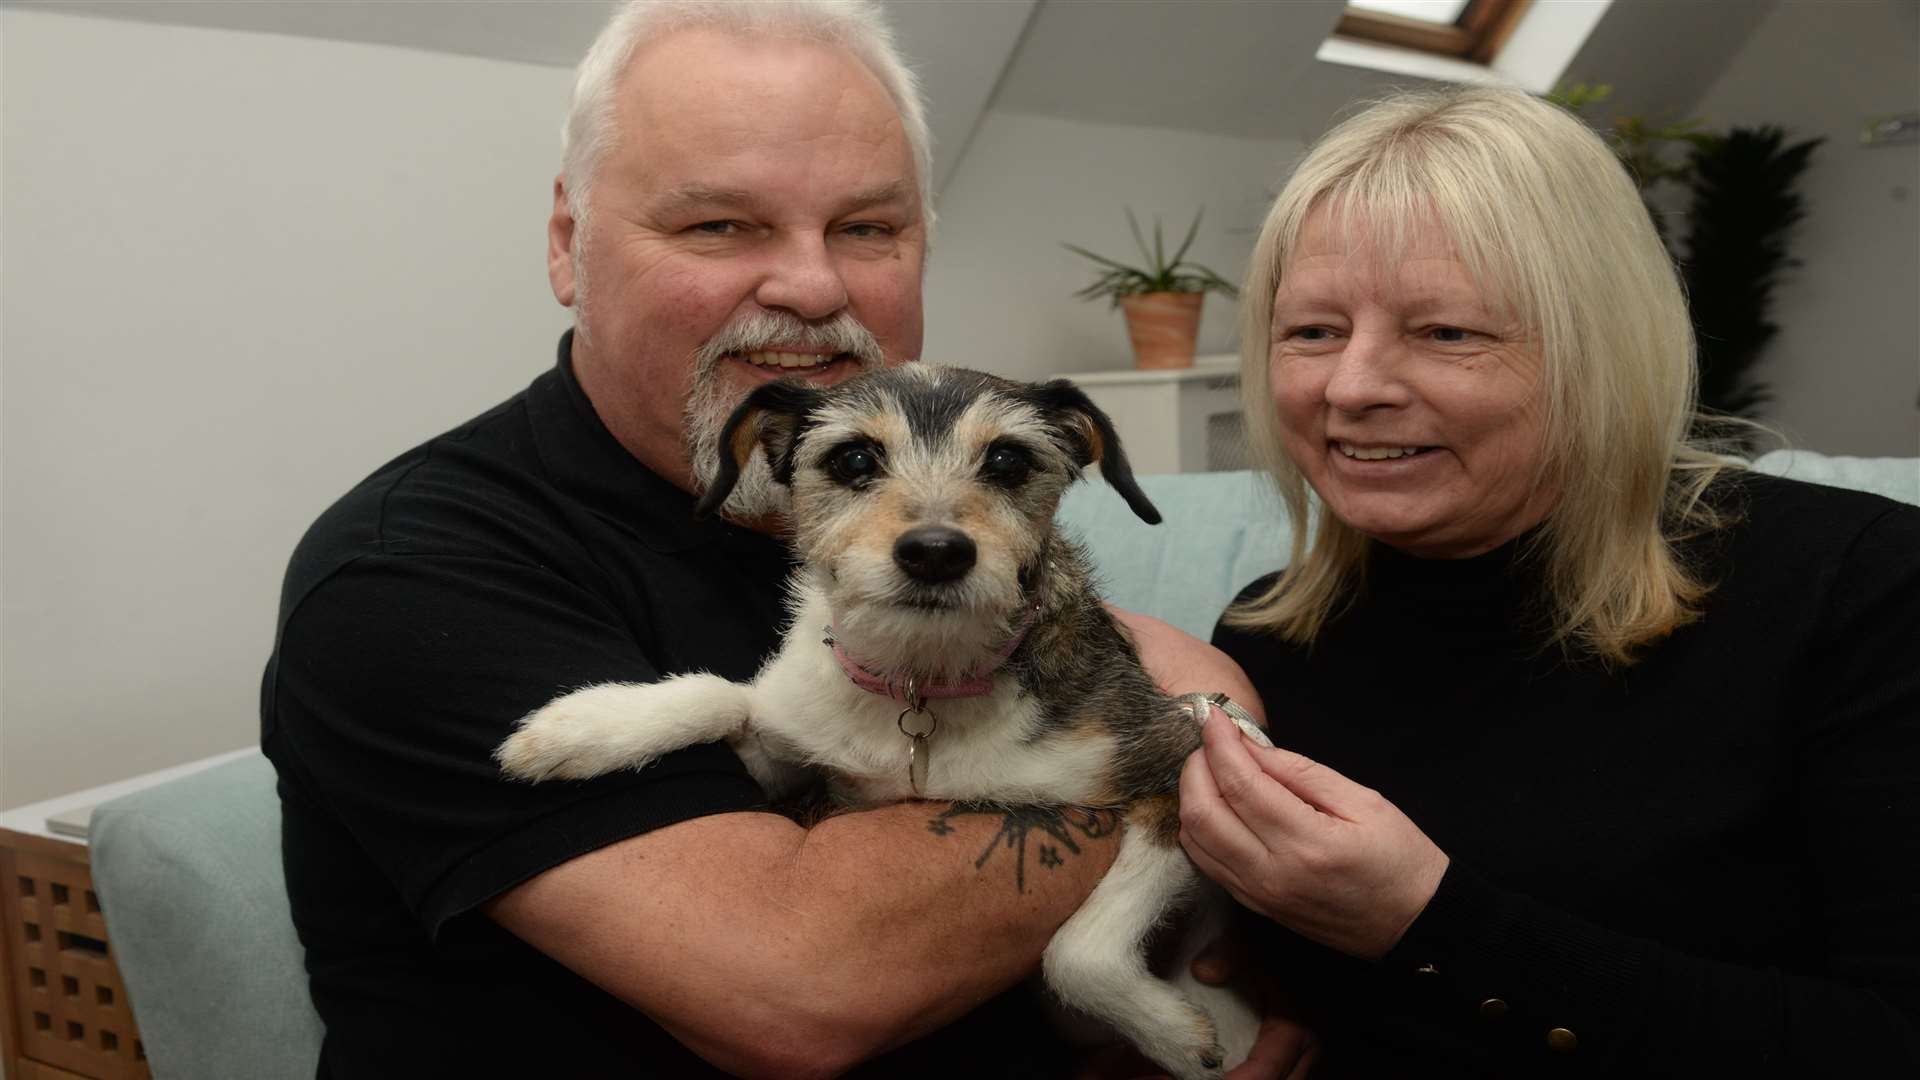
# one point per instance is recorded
(1176, 420)
(1204, 367)
(32, 818)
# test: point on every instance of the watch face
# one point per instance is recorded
(1241, 718)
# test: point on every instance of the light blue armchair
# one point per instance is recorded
(188, 873)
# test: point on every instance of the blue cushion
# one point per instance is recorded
(1218, 532)
(1896, 478)
(188, 875)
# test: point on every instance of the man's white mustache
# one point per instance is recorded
(770, 332)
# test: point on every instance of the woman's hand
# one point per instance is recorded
(1285, 1048)
(1301, 844)
(1183, 664)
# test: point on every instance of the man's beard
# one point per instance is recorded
(711, 399)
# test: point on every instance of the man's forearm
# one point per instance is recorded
(958, 900)
(772, 949)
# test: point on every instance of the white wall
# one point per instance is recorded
(1000, 287)
(239, 271)
(1845, 367)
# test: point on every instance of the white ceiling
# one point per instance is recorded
(958, 47)
(1247, 67)
(536, 31)
(1232, 67)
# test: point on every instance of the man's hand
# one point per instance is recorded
(1183, 664)
(1303, 845)
(1285, 1049)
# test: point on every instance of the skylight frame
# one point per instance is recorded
(1476, 37)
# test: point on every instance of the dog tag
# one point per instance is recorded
(919, 749)
(917, 761)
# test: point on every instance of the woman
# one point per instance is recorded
(1602, 755)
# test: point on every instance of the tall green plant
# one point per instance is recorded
(1641, 144)
(1744, 208)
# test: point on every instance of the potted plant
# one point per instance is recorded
(1745, 203)
(1162, 298)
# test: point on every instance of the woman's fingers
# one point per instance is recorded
(1319, 786)
(1208, 822)
(1267, 808)
(1297, 841)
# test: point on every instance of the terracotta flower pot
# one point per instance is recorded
(1164, 327)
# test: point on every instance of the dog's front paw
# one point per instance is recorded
(559, 742)
(613, 726)
(530, 754)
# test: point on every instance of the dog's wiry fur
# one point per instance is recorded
(1072, 718)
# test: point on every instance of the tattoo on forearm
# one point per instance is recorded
(1059, 822)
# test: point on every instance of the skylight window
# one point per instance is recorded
(1471, 30)
(1509, 42)
(1442, 12)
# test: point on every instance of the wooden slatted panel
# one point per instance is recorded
(68, 1008)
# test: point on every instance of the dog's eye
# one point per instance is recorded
(1007, 466)
(853, 465)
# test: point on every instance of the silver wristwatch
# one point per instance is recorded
(1199, 704)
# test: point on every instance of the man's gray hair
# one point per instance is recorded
(858, 26)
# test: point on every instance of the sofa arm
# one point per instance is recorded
(1221, 531)
(189, 879)
(1896, 478)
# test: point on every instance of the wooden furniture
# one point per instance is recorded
(64, 1013)
(66, 1010)
(1178, 420)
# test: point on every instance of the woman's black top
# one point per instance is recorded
(1707, 862)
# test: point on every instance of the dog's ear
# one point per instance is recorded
(769, 419)
(1090, 437)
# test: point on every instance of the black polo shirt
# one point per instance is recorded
(459, 587)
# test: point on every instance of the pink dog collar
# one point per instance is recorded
(908, 691)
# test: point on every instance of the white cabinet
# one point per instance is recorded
(1177, 421)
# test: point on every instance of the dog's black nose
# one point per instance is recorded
(933, 554)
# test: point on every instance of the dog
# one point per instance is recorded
(966, 657)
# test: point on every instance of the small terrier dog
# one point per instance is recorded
(967, 658)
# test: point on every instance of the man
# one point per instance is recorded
(744, 197)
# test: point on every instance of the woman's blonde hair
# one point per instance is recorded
(1548, 221)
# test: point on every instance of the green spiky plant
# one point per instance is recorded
(1640, 144)
(1744, 207)
(1117, 280)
